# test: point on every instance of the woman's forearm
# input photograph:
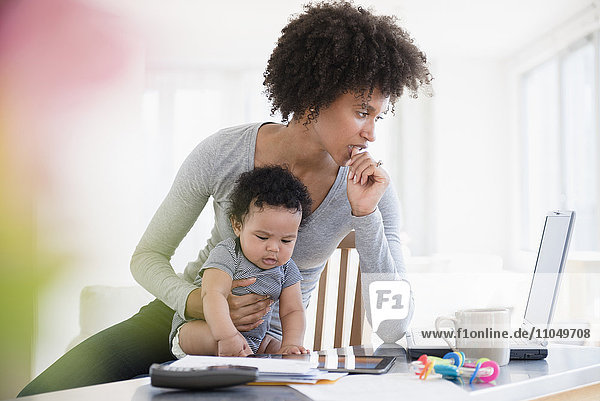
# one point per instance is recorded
(194, 306)
(151, 261)
(383, 261)
(153, 272)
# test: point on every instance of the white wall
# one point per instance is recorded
(454, 151)
(91, 212)
(471, 152)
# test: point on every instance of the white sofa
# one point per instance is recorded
(102, 306)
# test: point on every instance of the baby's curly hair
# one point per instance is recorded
(269, 186)
(335, 48)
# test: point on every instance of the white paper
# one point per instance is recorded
(310, 378)
(390, 386)
(265, 365)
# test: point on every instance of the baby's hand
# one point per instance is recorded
(292, 349)
(235, 345)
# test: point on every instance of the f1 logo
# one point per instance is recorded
(389, 300)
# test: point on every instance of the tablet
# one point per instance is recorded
(342, 363)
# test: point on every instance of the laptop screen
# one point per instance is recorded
(548, 268)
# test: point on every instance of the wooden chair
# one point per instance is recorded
(349, 312)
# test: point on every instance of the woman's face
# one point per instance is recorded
(347, 123)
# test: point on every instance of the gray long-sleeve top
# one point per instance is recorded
(210, 171)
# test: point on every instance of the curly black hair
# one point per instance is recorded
(268, 186)
(335, 48)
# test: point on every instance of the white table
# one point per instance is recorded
(567, 369)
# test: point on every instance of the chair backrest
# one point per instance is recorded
(349, 306)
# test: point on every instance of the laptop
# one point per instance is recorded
(543, 294)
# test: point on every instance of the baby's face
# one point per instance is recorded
(268, 235)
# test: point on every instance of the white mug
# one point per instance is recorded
(480, 333)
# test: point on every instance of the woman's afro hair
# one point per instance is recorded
(335, 48)
(269, 186)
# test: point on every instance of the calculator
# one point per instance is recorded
(201, 378)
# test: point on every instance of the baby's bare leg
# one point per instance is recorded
(195, 338)
(269, 345)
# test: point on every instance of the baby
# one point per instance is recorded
(268, 205)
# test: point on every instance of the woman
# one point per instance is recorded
(335, 71)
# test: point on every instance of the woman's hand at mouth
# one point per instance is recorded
(367, 181)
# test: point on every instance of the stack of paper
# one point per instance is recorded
(277, 371)
(313, 376)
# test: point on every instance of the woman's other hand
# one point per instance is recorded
(366, 183)
(247, 310)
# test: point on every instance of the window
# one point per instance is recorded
(179, 110)
(560, 145)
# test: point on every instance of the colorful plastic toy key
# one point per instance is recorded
(454, 364)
